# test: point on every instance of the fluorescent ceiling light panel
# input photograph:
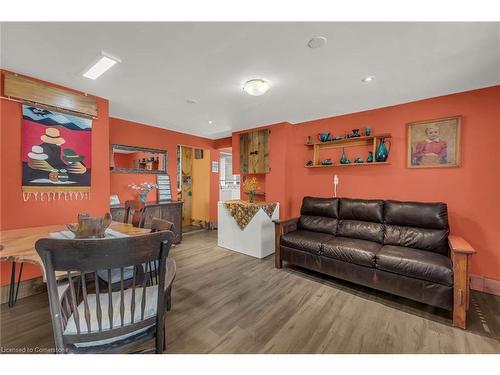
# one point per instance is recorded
(102, 65)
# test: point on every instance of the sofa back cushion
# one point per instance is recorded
(419, 225)
(319, 215)
(362, 219)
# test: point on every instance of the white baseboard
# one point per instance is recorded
(484, 284)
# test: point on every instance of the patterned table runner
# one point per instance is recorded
(244, 211)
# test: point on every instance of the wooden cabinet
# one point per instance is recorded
(254, 152)
(171, 211)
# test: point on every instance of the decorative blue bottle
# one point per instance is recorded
(343, 158)
(382, 152)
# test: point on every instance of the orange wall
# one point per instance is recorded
(134, 134)
(223, 143)
(471, 191)
(14, 212)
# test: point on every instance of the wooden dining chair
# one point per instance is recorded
(134, 213)
(103, 321)
(156, 226)
(160, 224)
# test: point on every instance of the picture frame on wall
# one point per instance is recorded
(434, 143)
(164, 188)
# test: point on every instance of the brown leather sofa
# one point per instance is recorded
(403, 248)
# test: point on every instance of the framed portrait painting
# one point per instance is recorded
(434, 143)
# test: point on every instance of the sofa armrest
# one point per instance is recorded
(459, 245)
(282, 227)
(461, 253)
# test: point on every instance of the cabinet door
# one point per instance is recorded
(258, 152)
(254, 152)
(244, 143)
(149, 214)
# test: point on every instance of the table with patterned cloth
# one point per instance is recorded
(244, 211)
(247, 227)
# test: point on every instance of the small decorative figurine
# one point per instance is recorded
(369, 159)
(355, 133)
(368, 131)
(309, 163)
(309, 140)
(327, 162)
(358, 160)
(347, 135)
(324, 137)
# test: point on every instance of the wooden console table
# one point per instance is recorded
(169, 210)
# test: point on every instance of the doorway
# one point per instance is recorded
(229, 183)
(193, 187)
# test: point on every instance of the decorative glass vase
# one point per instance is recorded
(343, 158)
(382, 151)
(251, 195)
(143, 197)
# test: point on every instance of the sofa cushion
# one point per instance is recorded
(419, 264)
(361, 210)
(362, 219)
(318, 224)
(351, 250)
(363, 230)
(319, 215)
(416, 214)
(434, 240)
(327, 207)
(418, 225)
(305, 240)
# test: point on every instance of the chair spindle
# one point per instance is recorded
(76, 316)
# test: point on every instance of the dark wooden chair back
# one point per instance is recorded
(158, 225)
(82, 259)
(134, 213)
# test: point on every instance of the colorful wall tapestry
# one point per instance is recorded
(56, 155)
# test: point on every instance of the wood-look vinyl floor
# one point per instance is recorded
(226, 302)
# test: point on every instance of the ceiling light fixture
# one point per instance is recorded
(256, 87)
(317, 42)
(103, 63)
(210, 122)
(368, 79)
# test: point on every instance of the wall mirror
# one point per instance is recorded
(133, 159)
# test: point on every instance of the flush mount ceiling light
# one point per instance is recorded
(317, 42)
(103, 63)
(210, 122)
(256, 87)
(368, 79)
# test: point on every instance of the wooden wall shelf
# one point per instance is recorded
(348, 165)
(346, 142)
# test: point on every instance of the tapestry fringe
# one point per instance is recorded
(49, 196)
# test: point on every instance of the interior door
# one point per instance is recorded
(187, 184)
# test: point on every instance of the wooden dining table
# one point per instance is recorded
(18, 247)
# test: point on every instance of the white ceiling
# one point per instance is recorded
(164, 64)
